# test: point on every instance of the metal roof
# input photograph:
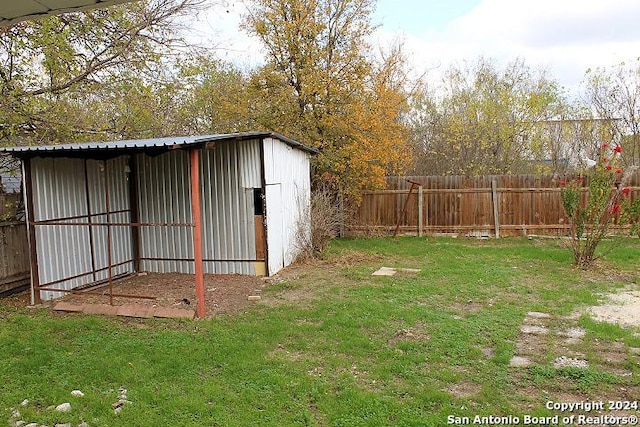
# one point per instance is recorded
(13, 11)
(138, 145)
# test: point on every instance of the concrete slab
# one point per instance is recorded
(67, 306)
(135, 311)
(174, 313)
(572, 333)
(538, 315)
(520, 362)
(384, 271)
(99, 309)
(536, 330)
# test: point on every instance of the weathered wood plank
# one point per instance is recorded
(526, 203)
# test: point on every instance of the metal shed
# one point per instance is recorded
(198, 204)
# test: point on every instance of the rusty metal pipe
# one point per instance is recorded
(197, 231)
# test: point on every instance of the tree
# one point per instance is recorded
(483, 120)
(614, 95)
(52, 70)
(324, 89)
(207, 96)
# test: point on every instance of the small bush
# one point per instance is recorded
(319, 223)
(609, 208)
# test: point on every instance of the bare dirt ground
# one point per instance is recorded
(224, 294)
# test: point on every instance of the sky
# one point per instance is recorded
(563, 37)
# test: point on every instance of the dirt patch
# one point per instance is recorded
(17, 300)
(464, 390)
(349, 258)
(281, 353)
(466, 307)
(412, 334)
(532, 346)
(224, 294)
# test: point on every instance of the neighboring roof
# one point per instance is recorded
(13, 11)
(155, 145)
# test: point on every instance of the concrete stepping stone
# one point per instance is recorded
(390, 271)
(572, 333)
(384, 271)
(520, 362)
(538, 315)
(535, 330)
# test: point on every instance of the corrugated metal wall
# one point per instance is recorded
(60, 191)
(164, 196)
(120, 212)
(288, 194)
(229, 172)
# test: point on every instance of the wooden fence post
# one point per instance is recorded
(420, 203)
(496, 213)
(341, 213)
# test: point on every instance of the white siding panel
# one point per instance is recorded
(288, 169)
(250, 164)
(276, 238)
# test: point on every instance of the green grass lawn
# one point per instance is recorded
(333, 346)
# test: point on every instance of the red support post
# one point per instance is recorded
(197, 230)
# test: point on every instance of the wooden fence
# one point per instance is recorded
(14, 247)
(495, 205)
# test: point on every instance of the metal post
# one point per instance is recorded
(108, 215)
(135, 215)
(197, 230)
(87, 195)
(404, 207)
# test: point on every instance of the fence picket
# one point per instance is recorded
(14, 246)
(527, 204)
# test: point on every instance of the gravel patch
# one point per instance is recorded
(570, 362)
